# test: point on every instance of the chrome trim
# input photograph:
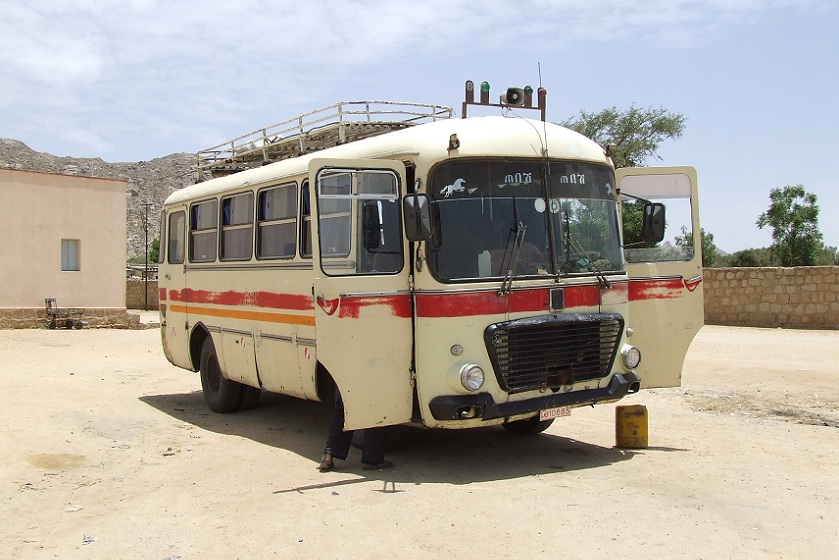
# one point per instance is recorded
(374, 294)
(249, 266)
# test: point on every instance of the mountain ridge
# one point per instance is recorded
(149, 182)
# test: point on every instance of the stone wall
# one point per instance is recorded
(36, 318)
(135, 297)
(800, 298)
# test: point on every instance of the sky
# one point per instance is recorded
(133, 80)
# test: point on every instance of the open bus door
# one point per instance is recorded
(665, 293)
(363, 305)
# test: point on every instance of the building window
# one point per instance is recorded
(70, 254)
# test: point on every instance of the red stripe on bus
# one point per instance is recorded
(671, 288)
(244, 299)
(490, 303)
(398, 305)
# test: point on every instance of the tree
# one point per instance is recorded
(748, 258)
(828, 256)
(706, 240)
(154, 251)
(793, 216)
(636, 133)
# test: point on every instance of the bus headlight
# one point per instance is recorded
(631, 356)
(472, 377)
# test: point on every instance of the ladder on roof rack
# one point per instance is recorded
(323, 128)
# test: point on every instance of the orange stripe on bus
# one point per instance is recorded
(246, 315)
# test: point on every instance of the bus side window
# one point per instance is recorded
(335, 205)
(162, 243)
(203, 231)
(306, 224)
(175, 249)
(386, 251)
(277, 222)
(237, 227)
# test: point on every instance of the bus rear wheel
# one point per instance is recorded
(222, 395)
(249, 397)
(528, 426)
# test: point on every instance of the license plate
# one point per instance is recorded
(551, 413)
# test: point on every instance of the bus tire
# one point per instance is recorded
(528, 426)
(248, 397)
(222, 395)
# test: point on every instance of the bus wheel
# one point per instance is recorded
(248, 398)
(528, 426)
(222, 395)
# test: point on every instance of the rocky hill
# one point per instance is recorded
(148, 182)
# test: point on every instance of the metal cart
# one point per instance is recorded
(68, 317)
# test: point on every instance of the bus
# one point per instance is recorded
(435, 271)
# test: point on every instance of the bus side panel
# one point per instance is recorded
(174, 319)
(665, 293)
(237, 354)
(280, 370)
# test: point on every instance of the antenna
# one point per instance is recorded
(542, 93)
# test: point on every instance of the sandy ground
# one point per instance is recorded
(110, 452)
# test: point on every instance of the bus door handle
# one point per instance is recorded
(329, 306)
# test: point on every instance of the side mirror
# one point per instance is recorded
(653, 222)
(371, 225)
(415, 207)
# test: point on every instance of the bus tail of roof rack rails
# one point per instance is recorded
(323, 128)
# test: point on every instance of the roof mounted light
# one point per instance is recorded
(512, 97)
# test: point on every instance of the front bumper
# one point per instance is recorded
(483, 406)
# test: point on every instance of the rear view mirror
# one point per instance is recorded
(417, 217)
(371, 224)
(653, 222)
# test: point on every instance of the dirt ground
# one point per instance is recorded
(110, 452)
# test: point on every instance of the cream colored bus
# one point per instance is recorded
(452, 273)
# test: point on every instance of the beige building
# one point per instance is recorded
(63, 237)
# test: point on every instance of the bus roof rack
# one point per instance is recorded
(323, 128)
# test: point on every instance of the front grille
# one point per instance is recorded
(551, 351)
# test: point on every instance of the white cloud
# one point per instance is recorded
(114, 69)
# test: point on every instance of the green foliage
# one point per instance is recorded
(632, 216)
(154, 251)
(793, 217)
(636, 133)
(709, 249)
(828, 256)
(748, 258)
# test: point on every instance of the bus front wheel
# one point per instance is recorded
(222, 395)
(528, 426)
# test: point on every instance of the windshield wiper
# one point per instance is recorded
(511, 258)
(585, 262)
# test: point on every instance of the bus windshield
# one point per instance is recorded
(495, 217)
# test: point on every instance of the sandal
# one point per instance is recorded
(377, 466)
(326, 463)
